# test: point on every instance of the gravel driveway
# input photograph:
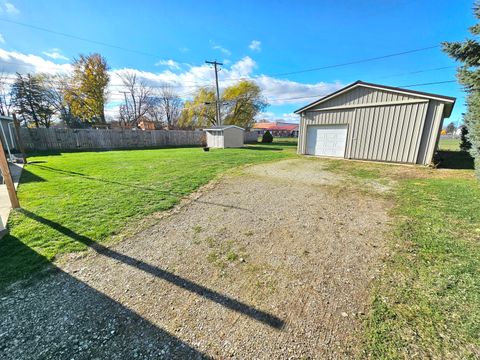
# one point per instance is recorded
(273, 263)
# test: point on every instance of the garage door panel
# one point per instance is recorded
(327, 140)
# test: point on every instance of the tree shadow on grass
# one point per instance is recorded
(260, 148)
(61, 317)
(183, 283)
(454, 160)
(93, 178)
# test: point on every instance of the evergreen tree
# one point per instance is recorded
(465, 144)
(267, 137)
(468, 52)
(30, 97)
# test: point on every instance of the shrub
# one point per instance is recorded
(465, 144)
(267, 137)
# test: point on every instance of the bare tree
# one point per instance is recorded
(155, 112)
(170, 106)
(5, 98)
(57, 86)
(138, 98)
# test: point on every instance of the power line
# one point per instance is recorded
(58, 65)
(418, 72)
(430, 83)
(173, 84)
(272, 75)
(357, 61)
(113, 46)
(403, 86)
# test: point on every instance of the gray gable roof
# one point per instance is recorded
(446, 99)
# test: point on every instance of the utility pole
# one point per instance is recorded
(217, 103)
(126, 105)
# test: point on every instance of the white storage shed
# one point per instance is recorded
(225, 136)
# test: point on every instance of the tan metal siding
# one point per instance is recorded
(363, 95)
(430, 133)
(382, 133)
(382, 125)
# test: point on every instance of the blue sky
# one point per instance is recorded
(255, 40)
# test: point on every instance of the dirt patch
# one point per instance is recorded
(275, 263)
(298, 171)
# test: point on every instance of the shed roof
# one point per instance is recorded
(445, 99)
(222, 127)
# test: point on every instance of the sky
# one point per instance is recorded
(269, 42)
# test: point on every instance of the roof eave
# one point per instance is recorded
(445, 99)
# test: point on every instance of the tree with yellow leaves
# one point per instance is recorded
(242, 102)
(239, 103)
(87, 93)
(199, 112)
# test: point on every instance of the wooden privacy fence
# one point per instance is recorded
(93, 139)
(105, 139)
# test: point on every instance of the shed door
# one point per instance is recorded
(326, 140)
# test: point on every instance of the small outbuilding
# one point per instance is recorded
(225, 136)
(374, 122)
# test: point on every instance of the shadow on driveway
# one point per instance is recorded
(61, 317)
(183, 283)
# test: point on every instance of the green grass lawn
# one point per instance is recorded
(449, 144)
(426, 303)
(93, 195)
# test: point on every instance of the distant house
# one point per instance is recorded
(276, 129)
(145, 124)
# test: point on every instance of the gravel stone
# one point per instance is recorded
(256, 265)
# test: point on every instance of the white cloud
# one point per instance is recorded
(281, 91)
(277, 91)
(10, 8)
(13, 61)
(274, 117)
(56, 54)
(255, 45)
(170, 63)
(220, 48)
(185, 80)
(184, 49)
(2, 39)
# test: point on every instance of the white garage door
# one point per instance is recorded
(326, 140)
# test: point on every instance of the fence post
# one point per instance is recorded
(16, 124)
(7, 177)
